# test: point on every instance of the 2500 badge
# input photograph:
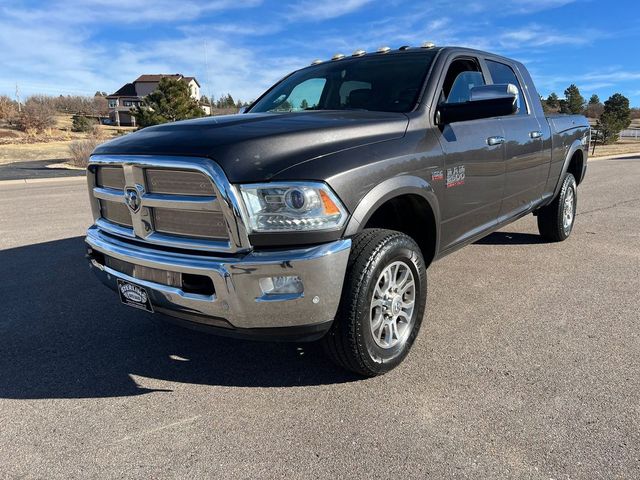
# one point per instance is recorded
(134, 296)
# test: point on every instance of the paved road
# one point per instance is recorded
(527, 366)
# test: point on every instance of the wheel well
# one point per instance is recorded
(575, 165)
(411, 215)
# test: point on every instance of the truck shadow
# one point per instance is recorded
(510, 238)
(64, 335)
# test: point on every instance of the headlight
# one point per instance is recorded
(285, 207)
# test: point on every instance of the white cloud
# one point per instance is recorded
(614, 76)
(121, 11)
(314, 10)
(538, 36)
(512, 7)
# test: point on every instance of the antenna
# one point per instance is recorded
(206, 66)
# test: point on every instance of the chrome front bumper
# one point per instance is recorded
(238, 303)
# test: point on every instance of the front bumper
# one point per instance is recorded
(238, 306)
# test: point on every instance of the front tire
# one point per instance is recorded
(555, 221)
(382, 304)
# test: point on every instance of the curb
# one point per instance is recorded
(611, 157)
(27, 181)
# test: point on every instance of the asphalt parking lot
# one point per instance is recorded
(528, 364)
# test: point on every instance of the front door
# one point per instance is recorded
(474, 161)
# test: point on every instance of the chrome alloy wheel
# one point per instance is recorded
(568, 210)
(392, 305)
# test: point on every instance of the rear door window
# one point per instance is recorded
(500, 74)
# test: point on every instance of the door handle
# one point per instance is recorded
(497, 140)
(535, 134)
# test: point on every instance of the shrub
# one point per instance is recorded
(81, 123)
(36, 115)
(80, 151)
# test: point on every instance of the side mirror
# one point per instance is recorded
(485, 101)
(242, 110)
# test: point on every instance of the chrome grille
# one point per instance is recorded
(169, 201)
(195, 224)
(116, 213)
(110, 177)
(178, 182)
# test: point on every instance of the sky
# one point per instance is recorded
(243, 46)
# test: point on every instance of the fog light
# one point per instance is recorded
(278, 285)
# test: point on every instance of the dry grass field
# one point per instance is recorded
(621, 147)
(21, 152)
(53, 144)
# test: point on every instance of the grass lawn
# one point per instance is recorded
(34, 151)
(16, 146)
(621, 147)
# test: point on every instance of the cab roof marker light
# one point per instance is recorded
(316, 62)
(338, 56)
(358, 53)
(428, 45)
(404, 47)
(384, 50)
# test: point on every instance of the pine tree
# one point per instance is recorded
(552, 100)
(575, 101)
(170, 102)
(615, 117)
(594, 107)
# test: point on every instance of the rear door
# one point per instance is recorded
(526, 166)
(474, 164)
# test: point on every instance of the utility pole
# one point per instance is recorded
(18, 98)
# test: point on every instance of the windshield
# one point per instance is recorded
(385, 83)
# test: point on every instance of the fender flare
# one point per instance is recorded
(575, 146)
(385, 191)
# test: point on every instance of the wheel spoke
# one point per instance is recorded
(405, 276)
(381, 331)
(377, 323)
(394, 275)
(393, 332)
(377, 302)
(387, 280)
(406, 287)
(406, 305)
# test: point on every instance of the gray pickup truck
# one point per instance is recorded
(314, 214)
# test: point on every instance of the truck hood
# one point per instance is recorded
(255, 147)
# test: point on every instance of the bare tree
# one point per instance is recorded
(37, 114)
(8, 109)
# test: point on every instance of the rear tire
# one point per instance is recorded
(555, 221)
(382, 304)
